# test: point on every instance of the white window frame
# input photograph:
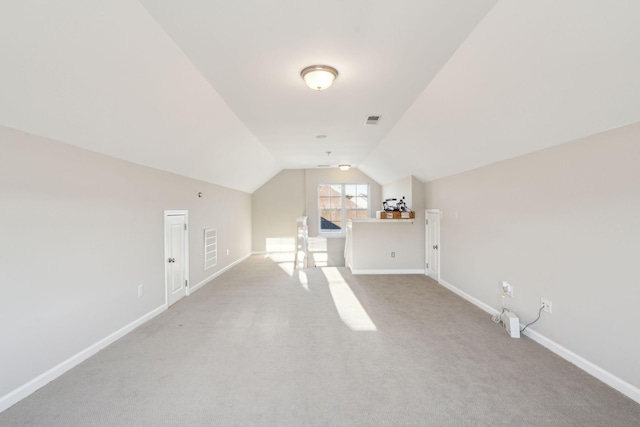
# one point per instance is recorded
(343, 204)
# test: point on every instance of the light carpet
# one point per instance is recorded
(260, 347)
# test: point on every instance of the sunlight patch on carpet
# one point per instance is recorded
(304, 280)
(349, 308)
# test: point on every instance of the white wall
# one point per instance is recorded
(563, 224)
(418, 206)
(79, 232)
(276, 206)
(406, 240)
(397, 190)
(315, 177)
(374, 241)
(293, 193)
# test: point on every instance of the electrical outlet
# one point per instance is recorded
(507, 289)
(227, 251)
(546, 305)
(140, 290)
(393, 254)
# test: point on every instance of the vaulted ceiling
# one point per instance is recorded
(212, 89)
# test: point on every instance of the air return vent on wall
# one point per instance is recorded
(210, 248)
(372, 120)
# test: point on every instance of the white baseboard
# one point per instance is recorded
(386, 271)
(469, 298)
(43, 379)
(606, 377)
(217, 273)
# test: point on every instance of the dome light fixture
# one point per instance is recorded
(344, 167)
(319, 77)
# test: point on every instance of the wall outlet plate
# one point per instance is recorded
(507, 289)
(546, 305)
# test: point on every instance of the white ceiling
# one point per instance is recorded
(211, 89)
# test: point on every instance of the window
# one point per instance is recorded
(337, 203)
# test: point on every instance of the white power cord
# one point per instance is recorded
(498, 317)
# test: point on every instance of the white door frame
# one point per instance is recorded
(167, 214)
(428, 242)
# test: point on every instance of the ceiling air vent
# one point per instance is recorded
(372, 120)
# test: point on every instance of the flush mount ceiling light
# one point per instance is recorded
(319, 77)
(344, 167)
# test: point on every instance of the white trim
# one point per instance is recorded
(43, 379)
(343, 210)
(469, 298)
(388, 221)
(428, 242)
(210, 248)
(326, 235)
(168, 213)
(418, 271)
(218, 273)
(606, 377)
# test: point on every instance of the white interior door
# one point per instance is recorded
(433, 243)
(176, 255)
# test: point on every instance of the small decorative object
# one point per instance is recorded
(389, 205)
(395, 205)
(395, 209)
(395, 215)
